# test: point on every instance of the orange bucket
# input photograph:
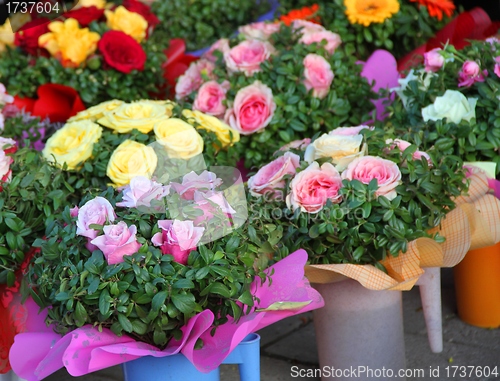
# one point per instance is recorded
(477, 287)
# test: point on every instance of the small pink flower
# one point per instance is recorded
(221, 45)
(211, 203)
(73, 212)
(97, 211)
(333, 40)
(193, 78)
(402, 145)
(177, 238)
(247, 56)
(313, 187)
(433, 60)
(270, 178)
(252, 110)
(118, 240)
(307, 26)
(349, 131)
(367, 168)
(497, 66)
(210, 98)
(261, 30)
(191, 182)
(297, 144)
(470, 74)
(318, 75)
(141, 191)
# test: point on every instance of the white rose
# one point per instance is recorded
(341, 148)
(422, 77)
(453, 105)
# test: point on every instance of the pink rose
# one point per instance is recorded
(252, 110)
(177, 238)
(403, 145)
(297, 144)
(307, 26)
(433, 60)
(96, 211)
(497, 66)
(333, 40)
(194, 77)
(221, 45)
(210, 98)
(211, 203)
(205, 182)
(261, 30)
(141, 191)
(247, 56)
(118, 240)
(367, 168)
(349, 131)
(270, 178)
(313, 187)
(318, 75)
(470, 74)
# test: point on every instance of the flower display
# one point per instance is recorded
(399, 26)
(298, 88)
(114, 142)
(101, 50)
(453, 106)
(362, 211)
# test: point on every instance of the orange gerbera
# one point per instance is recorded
(305, 13)
(437, 7)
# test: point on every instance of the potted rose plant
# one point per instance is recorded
(115, 55)
(275, 84)
(155, 269)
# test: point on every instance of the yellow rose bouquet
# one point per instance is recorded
(103, 51)
(112, 142)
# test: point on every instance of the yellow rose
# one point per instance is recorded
(141, 115)
(130, 23)
(96, 112)
(88, 3)
(72, 144)
(131, 159)
(67, 42)
(6, 36)
(180, 139)
(342, 149)
(226, 135)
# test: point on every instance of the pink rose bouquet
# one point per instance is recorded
(452, 104)
(353, 196)
(275, 84)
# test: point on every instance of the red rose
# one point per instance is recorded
(85, 15)
(122, 52)
(142, 9)
(27, 37)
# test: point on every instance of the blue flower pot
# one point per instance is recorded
(179, 368)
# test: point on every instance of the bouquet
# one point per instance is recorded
(112, 142)
(102, 51)
(169, 265)
(276, 84)
(353, 197)
(449, 103)
(205, 21)
(396, 25)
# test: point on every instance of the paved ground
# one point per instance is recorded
(291, 342)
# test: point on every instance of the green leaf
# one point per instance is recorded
(125, 323)
(158, 300)
(80, 314)
(184, 302)
(246, 298)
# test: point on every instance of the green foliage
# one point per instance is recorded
(298, 114)
(201, 22)
(149, 296)
(400, 34)
(35, 193)
(477, 140)
(364, 228)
